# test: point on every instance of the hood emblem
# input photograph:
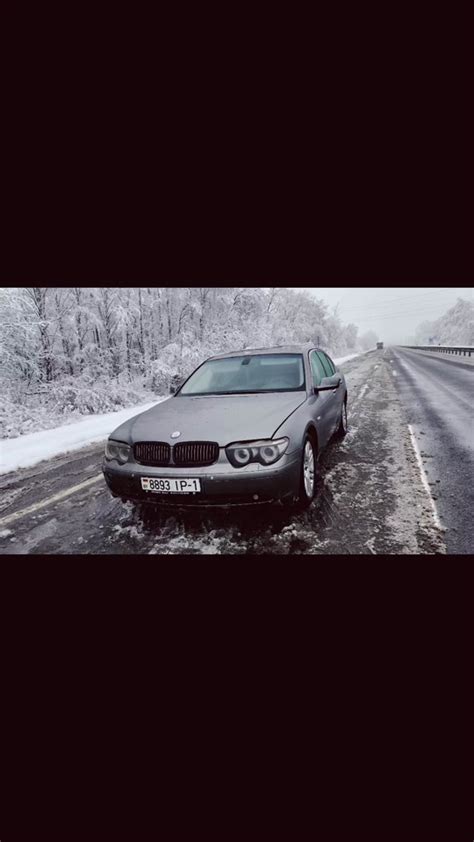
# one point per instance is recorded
(175, 435)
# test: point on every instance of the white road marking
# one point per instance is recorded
(42, 503)
(424, 479)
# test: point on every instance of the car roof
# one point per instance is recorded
(278, 349)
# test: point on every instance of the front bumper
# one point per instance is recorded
(221, 484)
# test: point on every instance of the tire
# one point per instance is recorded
(342, 428)
(308, 473)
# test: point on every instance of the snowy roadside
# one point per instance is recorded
(24, 415)
(32, 448)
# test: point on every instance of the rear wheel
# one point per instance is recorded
(308, 472)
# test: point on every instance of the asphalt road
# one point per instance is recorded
(370, 496)
(438, 398)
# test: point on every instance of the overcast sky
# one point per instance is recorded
(392, 312)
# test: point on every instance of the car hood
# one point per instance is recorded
(223, 419)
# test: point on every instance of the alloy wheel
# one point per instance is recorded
(308, 470)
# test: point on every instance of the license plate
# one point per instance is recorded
(171, 486)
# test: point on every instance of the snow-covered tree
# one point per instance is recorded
(455, 327)
(79, 349)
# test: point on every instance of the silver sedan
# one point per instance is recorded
(245, 427)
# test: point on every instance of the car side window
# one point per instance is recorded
(327, 368)
(317, 369)
(329, 363)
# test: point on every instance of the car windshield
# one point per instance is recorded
(248, 374)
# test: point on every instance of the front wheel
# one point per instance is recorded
(342, 429)
(308, 473)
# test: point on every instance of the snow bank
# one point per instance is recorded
(26, 451)
(346, 359)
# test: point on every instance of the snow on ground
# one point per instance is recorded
(26, 451)
(5, 533)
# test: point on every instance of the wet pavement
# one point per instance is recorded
(437, 397)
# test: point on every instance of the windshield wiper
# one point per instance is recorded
(243, 392)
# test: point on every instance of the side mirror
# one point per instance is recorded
(172, 390)
(329, 383)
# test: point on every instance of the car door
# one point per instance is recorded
(322, 405)
(335, 396)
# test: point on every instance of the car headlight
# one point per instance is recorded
(266, 452)
(117, 450)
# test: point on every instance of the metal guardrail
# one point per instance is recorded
(462, 350)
